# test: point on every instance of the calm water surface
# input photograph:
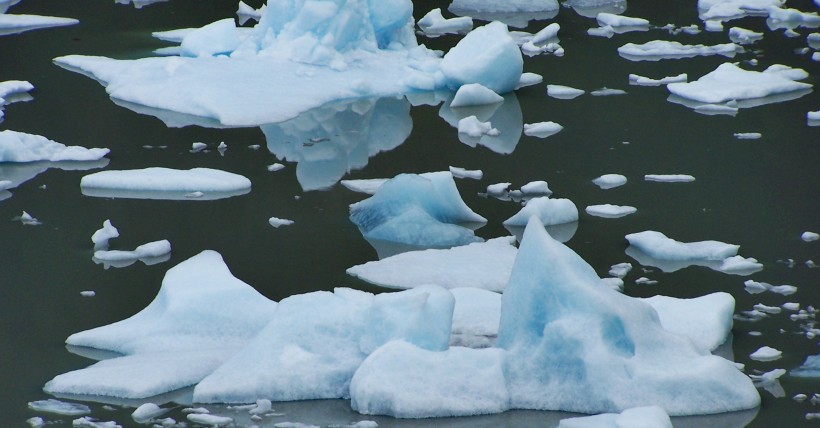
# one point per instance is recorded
(760, 194)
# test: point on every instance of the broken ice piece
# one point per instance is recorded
(276, 222)
(748, 135)
(87, 293)
(609, 181)
(147, 412)
(765, 354)
(101, 237)
(809, 236)
(198, 147)
(669, 178)
(542, 129)
(59, 407)
(466, 173)
(28, 220)
(645, 281)
(475, 128)
(620, 270)
(563, 92)
(536, 188)
(606, 92)
(275, 167)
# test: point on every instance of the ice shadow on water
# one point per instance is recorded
(328, 142)
(740, 104)
(161, 195)
(506, 117)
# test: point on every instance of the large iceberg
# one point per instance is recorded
(417, 209)
(356, 49)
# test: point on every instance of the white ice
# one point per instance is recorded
(529, 79)
(217, 38)
(740, 265)
(636, 417)
(484, 265)
(542, 129)
(416, 210)
(486, 55)
(725, 10)
(101, 237)
(669, 178)
(474, 94)
(22, 147)
(657, 245)
(208, 419)
(607, 92)
(766, 353)
(473, 127)
(620, 270)
(790, 18)
(11, 91)
(748, 135)
(433, 24)
(563, 92)
(315, 342)
(610, 211)
(743, 36)
(474, 174)
(538, 187)
(244, 13)
(755, 287)
(548, 211)
(200, 317)
(635, 79)
(164, 183)
(59, 407)
(706, 320)
(510, 6)
(147, 412)
(662, 49)
(276, 222)
(809, 236)
(368, 186)
(613, 20)
(729, 82)
(609, 181)
(13, 24)
(89, 422)
(476, 316)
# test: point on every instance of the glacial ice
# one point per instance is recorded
(563, 92)
(529, 79)
(484, 265)
(725, 10)
(809, 368)
(276, 222)
(729, 82)
(656, 50)
(657, 245)
(200, 317)
(147, 412)
(434, 24)
(164, 183)
(791, 18)
(740, 265)
(144, 251)
(59, 407)
(244, 13)
(542, 129)
(610, 211)
(743, 36)
(474, 94)
(14, 24)
(538, 187)
(315, 342)
(548, 211)
(809, 236)
(217, 38)
(474, 174)
(607, 92)
(611, 348)
(417, 210)
(472, 127)
(486, 55)
(609, 181)
(636, 417)
(22, 147)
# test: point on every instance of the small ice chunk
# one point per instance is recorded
(771, 310)
(144, 251)
(548, 211)
(613, 20)
(563, 92)
(748, 135)
(101, 237)
(245, 12)
(754, 287)
(809, 19)
(605, 31)
(276, 222)
(198, 147)
(740, 265)
(637, 417)
(434, 24)
(475, 128)
(546, 34)
(609, 181)
(657, 245)
(729, 82)
(28, 220)
(791, 306)
(59, 407)
(606, 92)
(620, 270)
(539, 187)
(262, 406)
(661, 49)
(275, 167)
(497, 188)
(18, 23)
(542, 129)
(669, 178)
(809, 236)
(222, 146)
(645, 281)
(88, 422)
(635, 79)
(474, 94)
(457, 172)
(208, 419)
(743, 36)
(36, 422)
(88, 293)
(529, 79)
(766, 353)
(147, 412)
(610, 211)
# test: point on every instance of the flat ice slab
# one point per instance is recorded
(610, 181)
(165, 183)
(564, 92)
(13, 24)
(542, 129)
(659, 246)
(484, 265)
(610, 211)
(22, 147)
(661, 49)
(729, 82)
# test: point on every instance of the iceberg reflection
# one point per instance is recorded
(506, 117)
(330, 141)
(19, 173)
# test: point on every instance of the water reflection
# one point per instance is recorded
(330, 141)
(161, 195)
(560, 232)
(19, 173)
(386, 248)
(506, 117)
(676, 265)
(148, 261)
(591, 8)
(739, 104)
(512, 19)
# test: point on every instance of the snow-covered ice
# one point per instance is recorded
(657, 245)
(637, 417)
(101, 236)
(434, 24)
(610, 211)
(22, 147)
(548, 211)
(669, 178)
(609, 181)
(472, 127)
(164, 183)
(417, 210)
(766, 353)
(613, 20)
(542, 129)
(743, 36)
(635, 79)
(484, 265)
(662, 49)
(474, 94)
(14, 24)
(217, 38)
(563, 92)
(458, 172)
(59, 407)
(276, 222)
(13, 90)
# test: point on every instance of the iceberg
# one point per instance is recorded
(656, 50)
(164, 183)
(657, 245)
(315, 342)
(484, 265)
(22, 147)
(743, 36)
(612, 352)
(201, 316)
(726, 10)
(417, 210)
(548, 211)
(809, 368)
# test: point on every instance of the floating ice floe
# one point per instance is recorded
(434, 24)
(201, 316)
(659, 246)
(474, 94)
(809, 236)
(12, 91)
(755, 287)
(356, 49)
(731, 86)
(58, 407)
(766, 353)
(27, 219)
(548, 211)
(542, 129)
(101, 237)
(609, 181)
(484, 265)
(457, 172)
(472, 127)
(635, 79)
(22, 147)
(544, 41)
(512, 6)
(647, 416)
(610, 211)
(606, 92)
(809, 368)
(739, 265)
(748, 135)
(620, 270)
(791, 18)
(669, 178)
(14, 24)
(656, 50)
(613, 20)
(529, 79)
(505, 117)
(150, 253)
(591, 8)
(813, 118)
(770, 381)
(164, 183)
(538, 187)
(276, 222)
(147, 412)
(416, 210)
(563, 92)
(743, 36)
(726, 10)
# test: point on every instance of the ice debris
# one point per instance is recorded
(59, 407)
(14, 24)
(276, 222)
(457, 172)
(743, 36)
(766, 353)
(474, 94)
(474, 128)
(809, 236)
(609, 181)
(661, 49)
(434, 24)
(635, 79)
(563, 92)
(101, 237)
(542, 129)
(669, 178)
(657, 245)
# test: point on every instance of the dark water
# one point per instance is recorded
(760, 194)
